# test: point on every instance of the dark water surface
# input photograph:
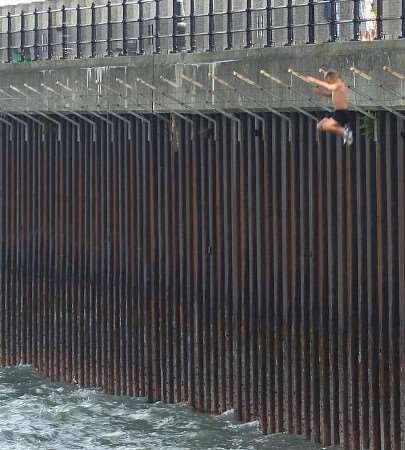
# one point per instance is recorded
(36, 414)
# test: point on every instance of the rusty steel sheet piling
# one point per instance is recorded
(247, 268)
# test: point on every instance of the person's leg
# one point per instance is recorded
(331, 126)
(321, 123)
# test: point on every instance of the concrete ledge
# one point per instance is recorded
(81, 77)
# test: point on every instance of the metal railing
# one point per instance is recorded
(161, 26)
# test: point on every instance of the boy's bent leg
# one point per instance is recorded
(331, 126)
(321, 123)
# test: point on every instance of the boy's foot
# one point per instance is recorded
(348, 136)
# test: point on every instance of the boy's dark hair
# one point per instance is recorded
(332, 73)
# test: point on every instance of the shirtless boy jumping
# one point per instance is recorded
(339, 121)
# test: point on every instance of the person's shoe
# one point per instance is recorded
(348, 136)
(345, 137)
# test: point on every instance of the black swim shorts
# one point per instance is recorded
(341, 116)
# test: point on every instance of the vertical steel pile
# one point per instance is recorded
(245, 272)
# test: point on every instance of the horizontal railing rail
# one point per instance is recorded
(144, 26)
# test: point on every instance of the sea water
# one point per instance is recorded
(36, 414)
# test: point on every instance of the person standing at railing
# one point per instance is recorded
(368, 25)
(329, 6)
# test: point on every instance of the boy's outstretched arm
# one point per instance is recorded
(319, 91)
(321, 84)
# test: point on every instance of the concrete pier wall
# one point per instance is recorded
(81, 76)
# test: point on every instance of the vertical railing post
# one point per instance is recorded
(50, 34)
(22, 33)
(174, 26)
(181, 27)
(124, 28)
(141, 30)
(269, 24)
(36, 35)
(402, 36)
(93, 31)
(333, 24)
(64, 34)
(157, 27)
(249, 41)
(290, 22)
(193, 41)
(109, 29)
(78, 32)
(380, 15)
(311, 22)
(229, 25)
(9, 38)
(356, 20)
(211, 26)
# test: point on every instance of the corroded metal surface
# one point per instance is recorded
(237, 269)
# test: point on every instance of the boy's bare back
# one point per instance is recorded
(339, 96)
(337, 91)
